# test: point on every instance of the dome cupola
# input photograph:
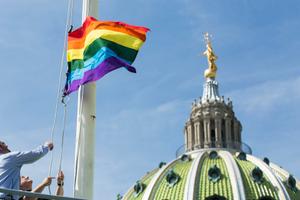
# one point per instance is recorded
(212, 122)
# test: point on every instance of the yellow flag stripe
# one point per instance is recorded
(114, 36)
(73, 54)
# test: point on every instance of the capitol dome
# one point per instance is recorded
(214, 163)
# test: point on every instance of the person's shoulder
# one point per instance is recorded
(14, 153)
(10, 154)
(9, 157)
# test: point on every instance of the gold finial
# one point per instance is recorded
(207, 38)
(211, 58)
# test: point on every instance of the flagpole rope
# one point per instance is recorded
(59, 87)
(63, 135)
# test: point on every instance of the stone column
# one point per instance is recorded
(209, 133)
(236, 134)
(185, 138)
(218, 126)
(197, 135)
(228, 132)
(207, 140)
(236, 131)
(191, 139)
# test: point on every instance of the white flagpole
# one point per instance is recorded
(85, 130)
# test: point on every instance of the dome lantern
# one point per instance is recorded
(212, 122)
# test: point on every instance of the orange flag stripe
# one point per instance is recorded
(76, 41)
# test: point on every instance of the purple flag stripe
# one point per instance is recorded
(103, 68)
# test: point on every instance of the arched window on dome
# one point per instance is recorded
(223, 136)
(213, 138)
(215, 197)
(212, 133)
(266, 198)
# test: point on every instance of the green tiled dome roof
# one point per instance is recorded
(234, 179)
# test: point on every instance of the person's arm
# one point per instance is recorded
(46, 182)
(60, 184)
(39, 189)
(32, 156)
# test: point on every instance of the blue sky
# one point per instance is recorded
(140, 117)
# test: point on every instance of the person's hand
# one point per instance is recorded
(60, 178)
(49, 145)
(47, 181)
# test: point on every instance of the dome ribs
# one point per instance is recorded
(255, 190)
(145, 180)
(282, 193)
(234, 176)
(208, 188)
(236, 182)
(283, 175)
(193, 177)
(164, 191)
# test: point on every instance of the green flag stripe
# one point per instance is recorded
(125, 53)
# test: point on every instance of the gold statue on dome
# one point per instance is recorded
(211, 58)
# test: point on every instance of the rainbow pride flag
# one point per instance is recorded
(99, 47)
